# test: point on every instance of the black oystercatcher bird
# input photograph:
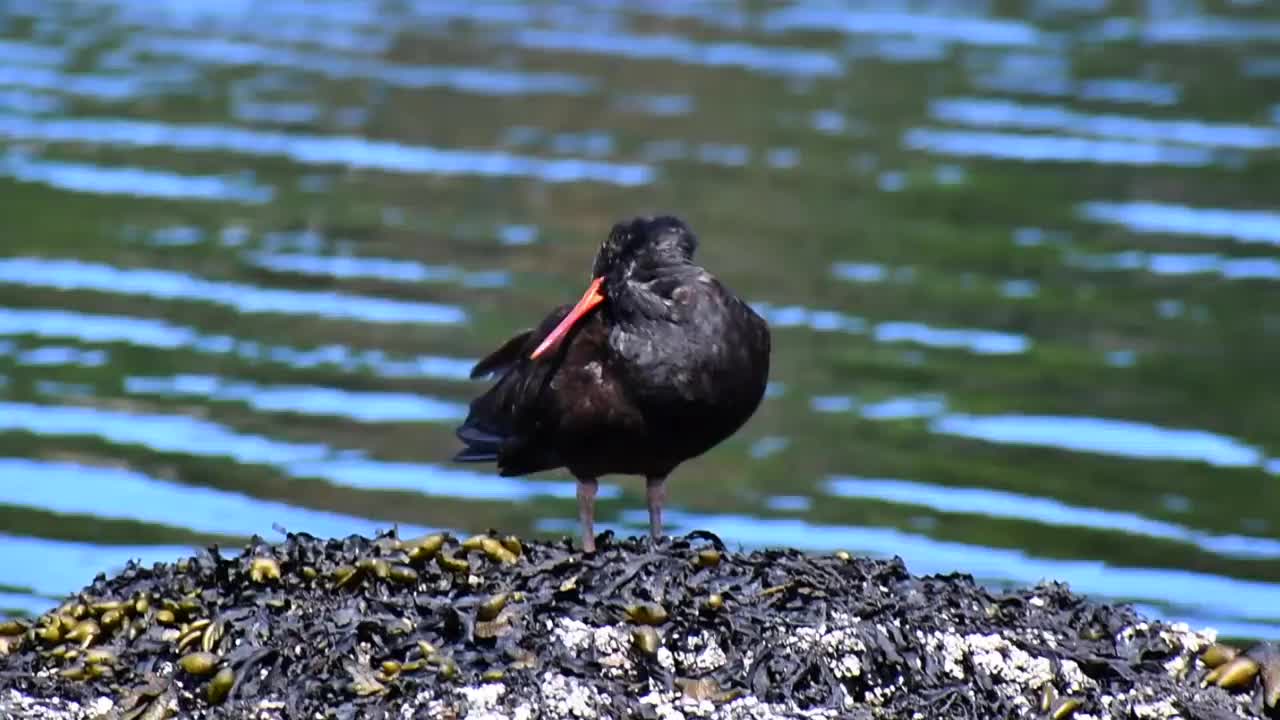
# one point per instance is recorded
(657, 363)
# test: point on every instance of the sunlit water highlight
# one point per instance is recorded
(170, 285)
(72, 489)
(1123, 438)
(1046, 511)
(162, 335)
(140, 182)
(204, 438)
(376, 407)
(349, 151)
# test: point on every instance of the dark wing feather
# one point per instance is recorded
(496, 425)
(498, 361)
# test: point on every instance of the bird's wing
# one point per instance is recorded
(518, 347)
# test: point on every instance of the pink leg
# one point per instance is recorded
(656, 494)
(587, 512)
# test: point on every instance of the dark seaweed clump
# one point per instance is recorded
(385, 627)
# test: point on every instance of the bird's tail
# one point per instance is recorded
(480, 444)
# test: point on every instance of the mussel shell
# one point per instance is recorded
(1218, 654)
(111, 619)
(1237, 673)
(403, 574)
(1065, 708)
(104, 606)
(512, 543)
(424, 548)
(452, 564)
(708, 558)
(492, 607)
(198, 663)
(220, 686)
(212, 635)
(497, 552)
(264, 570)
(647, 614)
(85, 631)
(645, 640)
(1267, 655)
(346, 575)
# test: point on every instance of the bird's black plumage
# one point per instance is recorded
(664, 364)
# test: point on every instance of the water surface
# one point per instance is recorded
(1020, 261)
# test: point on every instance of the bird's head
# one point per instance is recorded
(635, 251)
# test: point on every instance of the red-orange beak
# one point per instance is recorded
(591, 298)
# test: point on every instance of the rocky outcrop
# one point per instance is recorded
(495, 627)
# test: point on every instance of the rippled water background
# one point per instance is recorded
(1022, 261)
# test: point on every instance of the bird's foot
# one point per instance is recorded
(591, 544)
(656, 542)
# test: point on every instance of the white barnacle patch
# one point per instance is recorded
(574, 635)
(836, 641)
(268, 709)
(702, 653)
(26, 706)
(1073, 678)
(1132, 632)
(953, 650)
(1003, 660)
(610, 643)
(1156, 710)
(665, 659)
(881, 694)
(593, 369)
(567, 697)
(482, 700)
(1180, 635)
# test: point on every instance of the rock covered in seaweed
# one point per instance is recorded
(494, 627)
